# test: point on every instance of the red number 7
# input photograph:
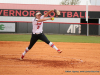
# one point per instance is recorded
(38, 27)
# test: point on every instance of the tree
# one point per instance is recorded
(70, 2)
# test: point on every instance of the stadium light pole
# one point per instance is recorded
(90, 1)
(95, 2)
(87, 18)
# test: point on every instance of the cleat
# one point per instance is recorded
(22, 57)
(59, 51)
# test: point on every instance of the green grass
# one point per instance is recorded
(53, 38)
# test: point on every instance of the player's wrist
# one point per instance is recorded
(50, 18)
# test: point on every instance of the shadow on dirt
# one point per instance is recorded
(46, 63)
(53, 63)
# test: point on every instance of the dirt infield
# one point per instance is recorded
(76, 58)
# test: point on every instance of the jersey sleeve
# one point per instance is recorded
(34, 21)
(42, 17)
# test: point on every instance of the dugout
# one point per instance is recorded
(16, 18)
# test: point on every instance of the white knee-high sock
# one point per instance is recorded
(26, 50)
(53, 46)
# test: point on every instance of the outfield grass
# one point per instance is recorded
(53, 38)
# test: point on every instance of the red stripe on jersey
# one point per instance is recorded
(52, 45)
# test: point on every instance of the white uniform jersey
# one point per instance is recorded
(37, 26)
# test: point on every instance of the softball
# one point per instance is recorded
(52, 18)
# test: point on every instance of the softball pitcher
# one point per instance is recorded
(37, 32)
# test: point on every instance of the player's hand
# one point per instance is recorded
(52, 18)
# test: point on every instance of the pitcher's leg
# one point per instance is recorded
(32, 42)
(44, 38)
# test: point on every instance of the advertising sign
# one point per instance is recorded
(7, 27)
